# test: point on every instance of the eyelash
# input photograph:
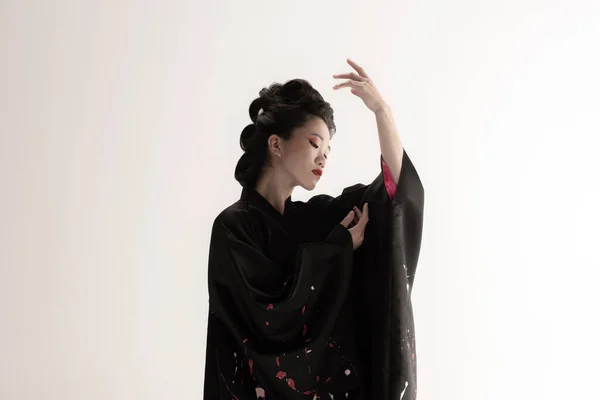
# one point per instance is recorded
(316, 147)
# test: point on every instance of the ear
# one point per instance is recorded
(274, 144)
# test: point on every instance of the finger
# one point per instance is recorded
(365, 215)
(354, 84)
(348, 219)
(350, 75)
(358, 68)
(357, 214)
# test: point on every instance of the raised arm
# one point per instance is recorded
(389, 141)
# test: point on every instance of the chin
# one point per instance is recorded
(310, 185)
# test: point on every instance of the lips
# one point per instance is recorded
(317, 172)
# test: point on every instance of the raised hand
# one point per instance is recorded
(362, 86)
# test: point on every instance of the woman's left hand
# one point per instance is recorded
(362, 86)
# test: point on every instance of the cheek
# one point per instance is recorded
(297, 164)
(300, 158)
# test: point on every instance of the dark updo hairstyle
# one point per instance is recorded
(284, 108)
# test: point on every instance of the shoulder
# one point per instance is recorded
(318, 201)
(340, 204)
(315, 207)
(239, 222)
(232, 215)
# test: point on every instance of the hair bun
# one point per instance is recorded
(298, 91)
(249, 134)
(258, 104)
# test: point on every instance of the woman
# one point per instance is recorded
(312, 299)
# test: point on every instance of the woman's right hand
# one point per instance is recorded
(357, 221)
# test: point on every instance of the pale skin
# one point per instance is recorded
(291, 161)
(389, 141)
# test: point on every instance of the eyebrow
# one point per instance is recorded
(321, 137)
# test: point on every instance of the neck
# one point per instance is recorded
(275, 188)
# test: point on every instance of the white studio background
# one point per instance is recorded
(119, 134)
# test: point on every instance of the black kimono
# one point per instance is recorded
(296, 313)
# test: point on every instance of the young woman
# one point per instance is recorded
(312, 299)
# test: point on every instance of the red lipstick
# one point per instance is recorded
(317, 172)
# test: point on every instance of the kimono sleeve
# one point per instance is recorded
(407, 191)
(240, 276)
(389, 216)
(387, 262)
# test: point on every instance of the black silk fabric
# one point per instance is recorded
(296, 313)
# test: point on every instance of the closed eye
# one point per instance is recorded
(316, 146)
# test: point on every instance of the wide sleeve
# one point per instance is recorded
(406, 191)
(387, 262)
(240, 278)
(275, 342)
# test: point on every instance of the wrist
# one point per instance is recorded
(383, 108)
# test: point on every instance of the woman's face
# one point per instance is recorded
(305, 153)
